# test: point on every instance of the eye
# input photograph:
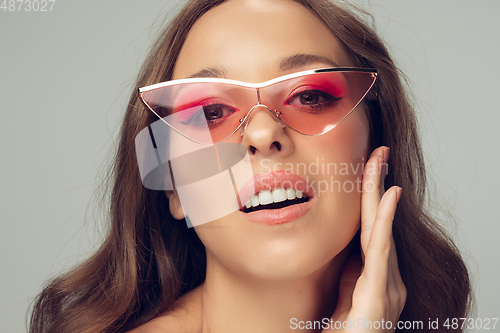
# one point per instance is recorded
(204, 113)
(312, 98)
(217, 111)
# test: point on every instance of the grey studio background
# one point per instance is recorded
(65, 78)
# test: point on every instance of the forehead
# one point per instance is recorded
(249, 40)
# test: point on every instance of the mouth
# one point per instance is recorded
(276, 198)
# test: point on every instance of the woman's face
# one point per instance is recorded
(255, 41)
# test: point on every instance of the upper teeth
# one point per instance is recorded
(278, 194)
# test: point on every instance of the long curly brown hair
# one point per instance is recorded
(148, 261)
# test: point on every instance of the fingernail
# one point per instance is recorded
(398, 194)
(386, 154)
(383, 168)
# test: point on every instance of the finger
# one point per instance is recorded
(394, 261)
(399, 284)
(370, 197)
(384, 169)
(380, 244)
(394, 264)
(392, 286)
(396, 290)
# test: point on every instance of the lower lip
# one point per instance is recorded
(279, 216)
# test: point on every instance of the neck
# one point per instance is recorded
(233, 302)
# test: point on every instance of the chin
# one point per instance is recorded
(280, 259)
(289, 251)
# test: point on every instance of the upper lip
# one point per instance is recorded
(269, 181)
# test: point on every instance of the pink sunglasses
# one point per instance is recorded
(210, 110)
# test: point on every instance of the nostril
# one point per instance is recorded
(253, 149)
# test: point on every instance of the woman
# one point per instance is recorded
(154, 274)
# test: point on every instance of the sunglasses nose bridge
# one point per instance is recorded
(246, 120)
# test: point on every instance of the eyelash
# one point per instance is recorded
(319, 92)
(202, 113)
(329, 99)
(215, 122)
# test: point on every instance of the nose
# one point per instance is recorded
(263, 134)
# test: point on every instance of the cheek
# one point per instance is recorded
(344, 150)
(351, 149)
(353, 136)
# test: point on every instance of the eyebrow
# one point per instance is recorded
(218, 72)
(296, 61)
(301, 60)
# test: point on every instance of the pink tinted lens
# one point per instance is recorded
(209, 112)
(316, 103)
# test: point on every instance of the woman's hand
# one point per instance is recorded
(371, 291)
